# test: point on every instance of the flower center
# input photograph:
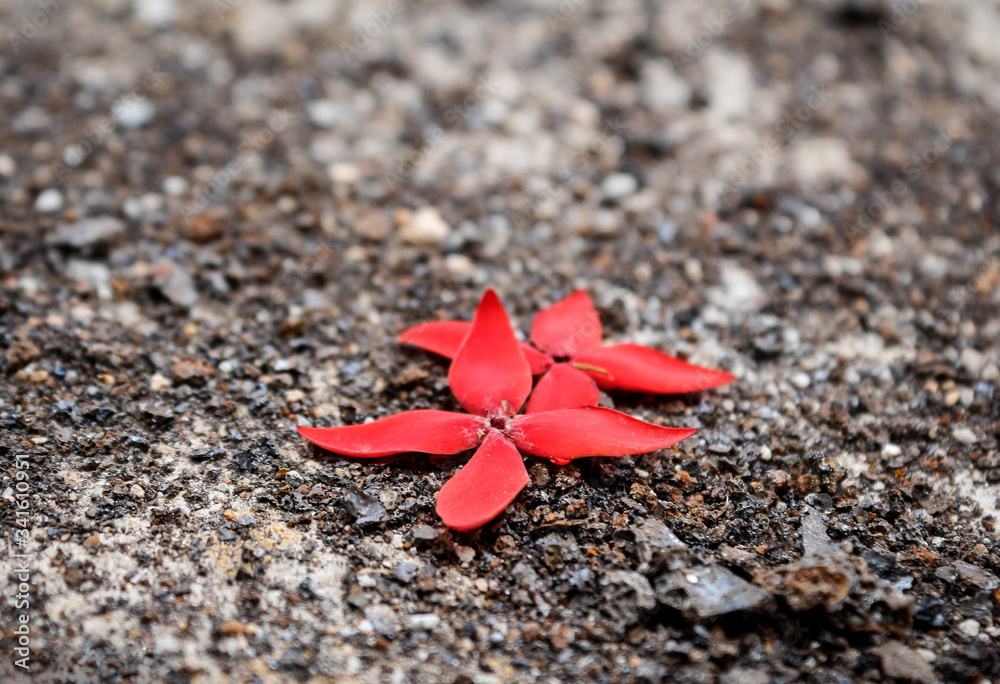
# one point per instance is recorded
(501, 420)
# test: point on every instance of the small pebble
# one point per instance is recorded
(459, 264)
(405, 572)
(965, 436)
(343, 174)
(425, 226)
(425, 622)
(891, 450)
(969, 628)
(156, 13)
(88, 232)
(465, 554)
(159, 382)
(973, 360)
(619, 185)
(801, 380)
(323, 113)
(7, 166)
(175, 186)
(49, 201)
(132, 111)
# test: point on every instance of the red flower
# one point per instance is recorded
(568, 333)
(491, 378)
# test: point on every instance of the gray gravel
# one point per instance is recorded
(216, 218)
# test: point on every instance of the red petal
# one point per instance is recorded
(439, 337)
(538, 361)
(563, 387)
(445, 338)
(432, 432)
(635, 368)
(568, 326)
(490, 368)
(479, 492)
(564, 435)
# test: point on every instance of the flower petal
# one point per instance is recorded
(635, 368)
(568, 326)
(490, 368)
(428, 431)
(479, 492)
(539, 362)
(446, 337)
(561, 436)
(439, 337)
(563, 387)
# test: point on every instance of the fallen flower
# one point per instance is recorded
(568, 353)
(491, 379)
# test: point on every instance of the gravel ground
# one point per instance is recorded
(217, 217)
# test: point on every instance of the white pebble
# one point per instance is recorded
(343, 174)
(74, 155)
(619, 185)
(459, 264)
(175, 186)
(965, 436)
(156, 13)
(49, 201)
(7, 166)
(425, 621)
(424, 227)
(132, 208)
(159, 382)
(801, 380)
(132, 111)
(323, 113)
(969, 627)
(973, 359)
(891, 450)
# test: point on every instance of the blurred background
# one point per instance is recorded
(215, 218)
